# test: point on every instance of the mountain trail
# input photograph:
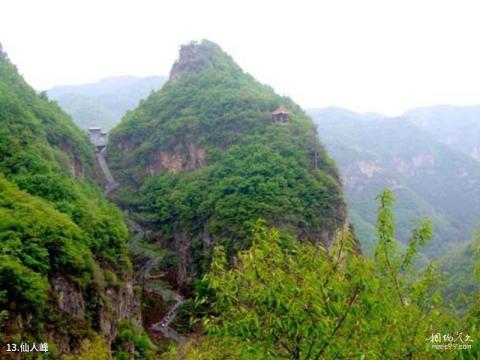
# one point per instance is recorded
(163, 326)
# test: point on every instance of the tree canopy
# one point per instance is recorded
(285, 299)
(54, 220)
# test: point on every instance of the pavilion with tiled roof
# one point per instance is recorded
(280, 115)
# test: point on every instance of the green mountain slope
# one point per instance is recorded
(105, 102)
(429, 178)
(458, 269)
(205, 159)
(63, 257)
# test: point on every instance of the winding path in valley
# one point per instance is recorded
(111, 183)
(163, 326)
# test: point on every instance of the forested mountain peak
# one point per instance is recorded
(206, 158)
(198, 56)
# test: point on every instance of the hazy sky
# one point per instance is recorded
(366, 55)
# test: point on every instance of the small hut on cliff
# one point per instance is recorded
(280, 115)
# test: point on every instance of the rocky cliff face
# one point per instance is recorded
(118, 304)
(121, 304)
(183, 157)
(69, 297)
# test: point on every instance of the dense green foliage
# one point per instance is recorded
(54, 221)
(131, 334)
(36, 136)
(227, 163)
(36, 241)
(227, 198)
(457, 268)
(92, 349)
(105, 102)
(284, 299)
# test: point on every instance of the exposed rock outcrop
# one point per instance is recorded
(117, 304)
(69, 297)
(368, 168)
(120, 304)
(190, 61)
(190, 157)
(195, 57)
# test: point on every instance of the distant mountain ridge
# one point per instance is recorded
(456, 126)
(429, 177)
(104, 103)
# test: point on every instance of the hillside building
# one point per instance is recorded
(280, 115)
(97, 137)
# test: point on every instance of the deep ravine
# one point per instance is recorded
(163, 326)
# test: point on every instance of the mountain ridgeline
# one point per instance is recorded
(430, 178)
(456, 126)
(202, 160)
(105, 102)
(65, 273)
